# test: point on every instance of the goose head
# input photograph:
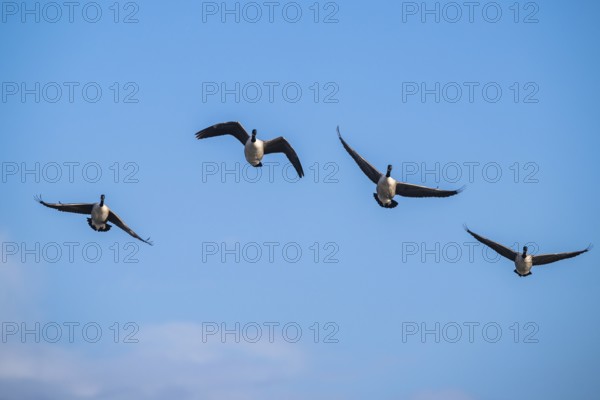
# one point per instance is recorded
(389, 171)
(101, 200)
(524, 252)
(253, 135)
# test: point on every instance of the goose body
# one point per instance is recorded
(386, 190)
(525, 262)
(254, 149)
(386, 186)
(254, 152)
(99, 214)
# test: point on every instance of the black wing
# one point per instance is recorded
(408, 190)
(78, 208)
(550, 258)
(280, 145)
(114, 218)
(502, 250)
(364, 165)
(226, 128)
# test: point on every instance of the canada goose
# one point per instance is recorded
(99, 212)
(254, 149)
(524, 261)
(388, 187)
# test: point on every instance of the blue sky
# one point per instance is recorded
(387, 270)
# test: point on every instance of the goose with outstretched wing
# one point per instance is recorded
(254, 149)
(99, 213)
(388, 187)
(524, 262)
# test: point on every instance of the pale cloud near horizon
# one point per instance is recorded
(170, 361)
(442, 394)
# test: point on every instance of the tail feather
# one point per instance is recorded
(391, 204)
(105, 228)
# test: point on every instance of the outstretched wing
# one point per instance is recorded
(78, 208)
(114, 218)
(500, 249)
(364, 165)
(226, 128)
(280, 145)
(409, 190)
(550, 258)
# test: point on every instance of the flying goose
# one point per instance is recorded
(388, 187)
(525, 261)
(254, 149)
(100, 215)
